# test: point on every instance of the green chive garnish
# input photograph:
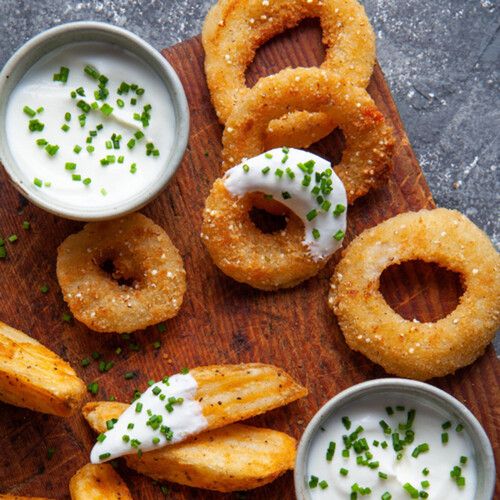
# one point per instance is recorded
(339, 235)
(29, 111)
(311, 215)
(106, 109)
(104, 456)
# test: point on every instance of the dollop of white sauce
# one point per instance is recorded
(184, 420)
(280, 173)
(112, 183)
(439, 460)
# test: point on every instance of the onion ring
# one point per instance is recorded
(233, 30)
(282, 259)
(408, 348)
(367, 158)
(146, 285)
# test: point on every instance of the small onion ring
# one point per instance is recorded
(246, 254)
(367, 158)
(407, 348)
(142, 253)
(233, 30)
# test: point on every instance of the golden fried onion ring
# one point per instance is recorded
(267, 261)
(367, 158)
(235, 29)
(147, 284)
(406, 348)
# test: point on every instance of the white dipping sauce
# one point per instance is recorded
(278, 173)
(440, 459)
(111, 183)
(184, 419)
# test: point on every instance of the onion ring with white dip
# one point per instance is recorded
(311, 195)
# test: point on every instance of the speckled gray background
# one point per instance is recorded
(441, 59)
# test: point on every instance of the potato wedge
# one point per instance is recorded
(98, 482)
(232, 458)
(229, 393)
(32, 376)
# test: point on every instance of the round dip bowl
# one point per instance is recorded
(391, 389)
(78, 32)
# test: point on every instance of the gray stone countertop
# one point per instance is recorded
(441, 59)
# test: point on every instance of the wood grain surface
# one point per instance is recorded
(221, 321)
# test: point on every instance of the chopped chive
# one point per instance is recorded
(70, 166)
(139, 135)
(90, 70)
(26, 225)
(131, 143)
(323, 484)
(307, 180)
(286, 195)
(101, 437)
(133, 168)
(77, 149)
(339, 235)
(310, 216)
(66, 318)
(85, 362)
(315, 234)
(313, 482)
(268, 155)
(382, 475)
(120, 103)
(96, 355)
(65, 128)
(343, 471)
(29, 111)
(184, 370)
(461, 481)
(44, 288)
(83, 106)
(138, 407)
(121, 159)
(51, 149)
(339, 209)
(326, 205)
(265, 170)
(330, 451)
(268, 196)
(459, 428)
(278, 172)
(90, 149)
(140, 91)
(284, 159)
(425, 484)
(106, 109)
(104, 456)
(50, 453)
(36, 125)
(413, 492)
(290, 173)
(157, 345)
(41, 142)
(109, 145)
(76, 177)
(129, 375)
(444, 437)
(386, 496)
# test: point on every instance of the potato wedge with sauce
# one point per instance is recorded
(224, 457)
(32, 376)
(98, 482)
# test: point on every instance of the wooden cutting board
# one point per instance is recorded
(221, 321)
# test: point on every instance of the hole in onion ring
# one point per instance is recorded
(299, 46)
(266, 222)
(433, 291)
(108, 266)
(331, 147)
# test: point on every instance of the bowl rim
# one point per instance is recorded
(422, 390)
(68, 33)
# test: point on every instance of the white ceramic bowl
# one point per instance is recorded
(59, 36)
(418, 392)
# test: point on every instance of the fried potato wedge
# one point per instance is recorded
(226, 393)
(32, 376)
(232, 458)
(98, 482)
(229, 393)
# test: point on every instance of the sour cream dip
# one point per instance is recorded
(391, 448)
(303, 182)
(90, 124)
(166, 413)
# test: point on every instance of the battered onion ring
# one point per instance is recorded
(234, 30)
(369, 145)
(245, 253)
(407, 348)
(142, 255)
